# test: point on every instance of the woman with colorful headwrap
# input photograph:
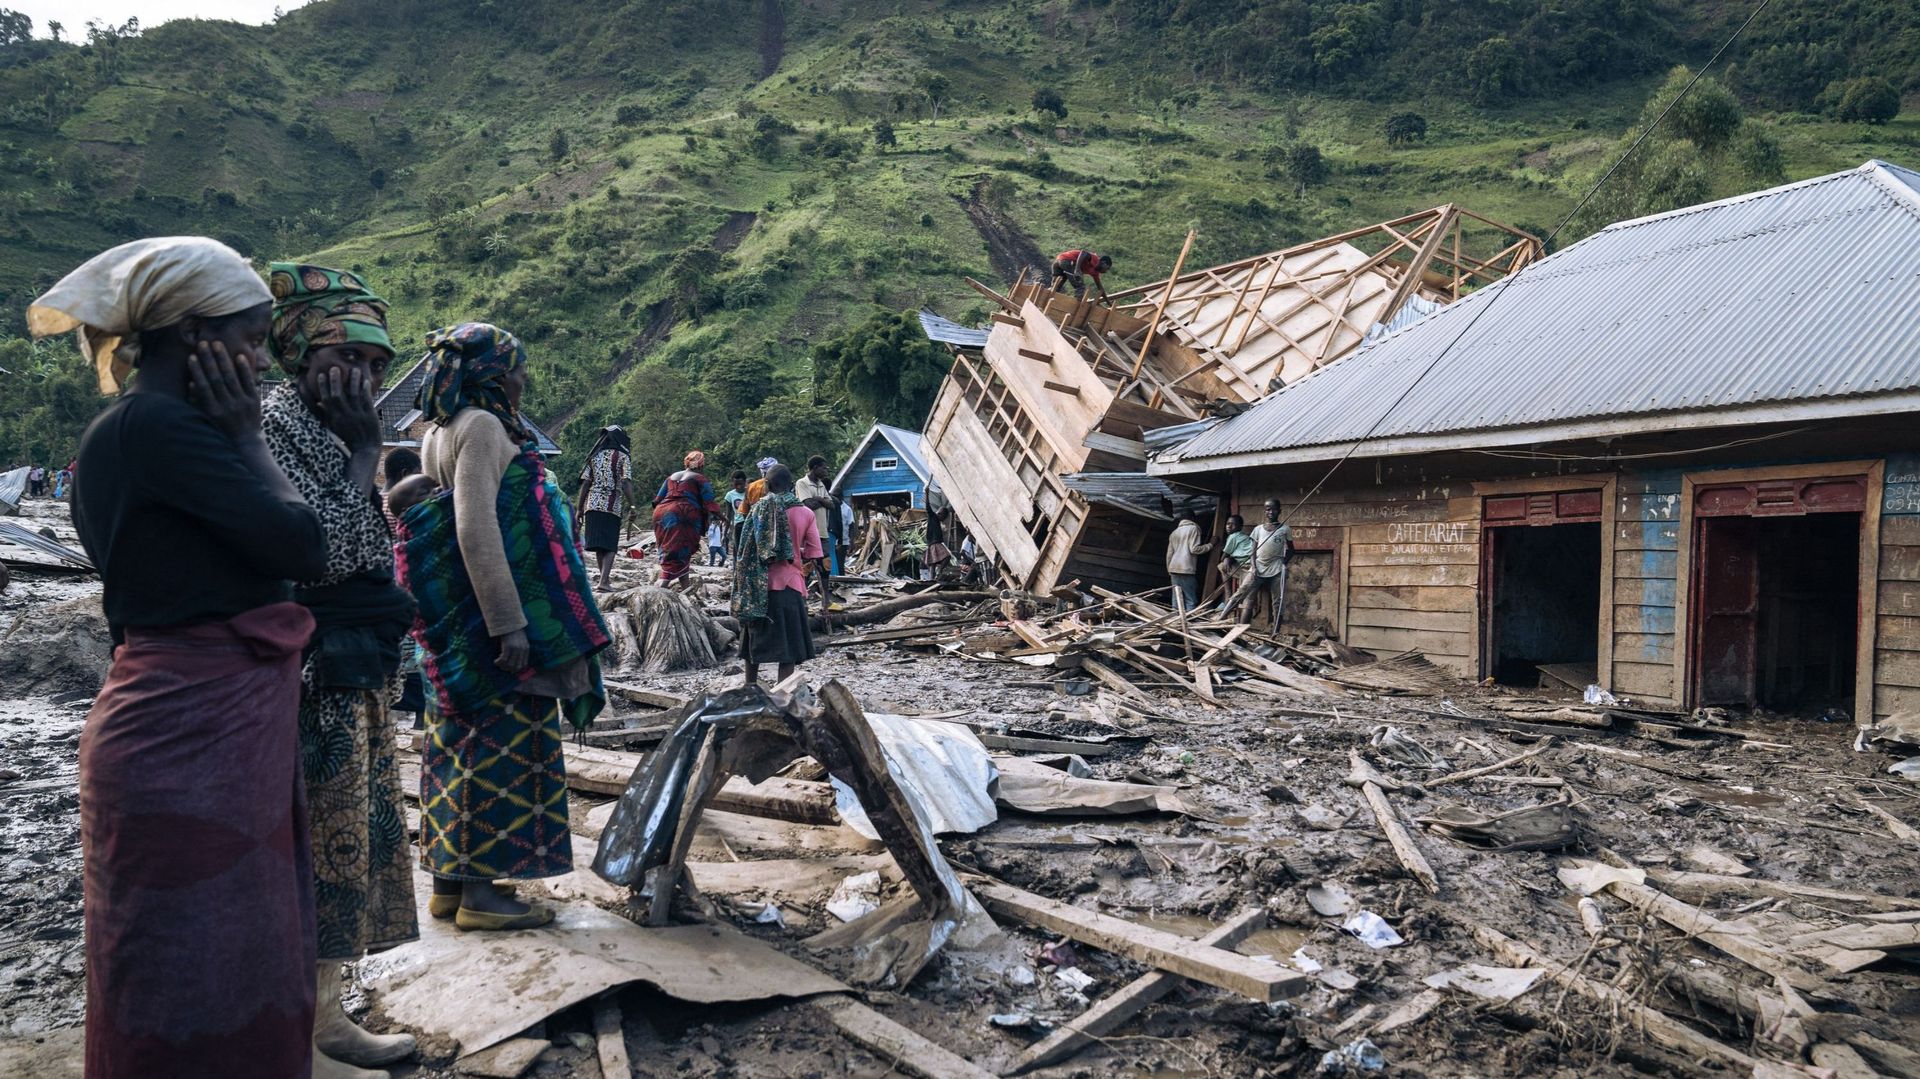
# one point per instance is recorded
(681, 511)
(508, 631)
(192, 820)
(606, 494)
(330, 337)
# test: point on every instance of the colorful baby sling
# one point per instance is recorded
(563, 621)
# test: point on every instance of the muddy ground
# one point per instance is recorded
(1272, 817)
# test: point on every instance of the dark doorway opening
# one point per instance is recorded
(1543, 599)
(1778, 601)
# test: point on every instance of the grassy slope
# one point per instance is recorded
(292, 120)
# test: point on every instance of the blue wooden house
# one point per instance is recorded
(887, 469)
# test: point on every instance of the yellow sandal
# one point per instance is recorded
(535, 917)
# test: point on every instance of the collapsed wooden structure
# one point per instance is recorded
(1063, 387)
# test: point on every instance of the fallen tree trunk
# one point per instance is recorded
(880, 612)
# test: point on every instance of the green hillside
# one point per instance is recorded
(676, 202)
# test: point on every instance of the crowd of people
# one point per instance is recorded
(272, 608)
(1252, 568)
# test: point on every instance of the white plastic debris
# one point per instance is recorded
(1372, 930)
(1487, 983)
(1074, 978)
(1357, 1057)
(1907, 769)
(1329, 900)
(1305, 963)
(1021, 975)
(856, 897)
(769, 914)
(1596, 695)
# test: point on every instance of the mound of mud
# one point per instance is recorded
(64, 648)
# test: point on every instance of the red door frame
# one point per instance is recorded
(1531, 509)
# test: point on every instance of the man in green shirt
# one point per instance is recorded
(1236, 551)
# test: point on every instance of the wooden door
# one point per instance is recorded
(1727, 597)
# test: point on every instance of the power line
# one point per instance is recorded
(1498, 288)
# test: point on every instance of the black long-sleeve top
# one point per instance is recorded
(180, 530)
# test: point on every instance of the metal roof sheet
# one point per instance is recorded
(1808, 292)
(1137, 492)
(949, 332)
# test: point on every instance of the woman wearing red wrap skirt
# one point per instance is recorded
(199, 892)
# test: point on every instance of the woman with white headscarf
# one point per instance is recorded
(199, 892)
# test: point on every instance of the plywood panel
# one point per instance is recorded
(1435, 643)
(1412, 598)
(1899, 563)
(1449, 621)
(1643, 648)
(1424, 576)
(1414, 554)
(964, 457)
(1653, 680)
(1631, 618)
(1646, 565)
(1896, 667)
(1899, 631)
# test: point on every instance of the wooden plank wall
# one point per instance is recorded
(1646, 553)
(1411, 567)
(1896, 665)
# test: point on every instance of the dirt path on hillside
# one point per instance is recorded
(1011, 251)
(773, 36)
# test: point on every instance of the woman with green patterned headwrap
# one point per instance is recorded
(330, 336)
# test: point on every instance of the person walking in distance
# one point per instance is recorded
(1272, 548)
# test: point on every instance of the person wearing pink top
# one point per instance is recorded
(779, 540)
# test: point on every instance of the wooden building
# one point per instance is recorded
(1679, 459)
(885, 470)
(1060, 387)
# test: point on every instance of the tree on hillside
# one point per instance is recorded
(1868, 101)
(55, 28)
(791, 427)
(1709, 116)
(1305, 166)
(738, 381)
(15, 27)
(883, 133)
(1048, 100)
(884, 368)
(1495, 71)
(1406, 127)
(678, 417)
(559, 144)
(934, 87)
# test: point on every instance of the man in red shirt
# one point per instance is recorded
(1070, 266)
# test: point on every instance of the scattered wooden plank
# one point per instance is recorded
(1710, 884)
(1111, 1012)
(1264, 982)
(1369, 782)
(505, 1060)
(1711, 931)
(1020, 744)
(1660, 1028)
(1895, 1058)
(1410, 1012)
(609, 1031)
(896, 1044)
(642, 695)
(1900, 829)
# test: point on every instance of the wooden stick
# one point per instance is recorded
(1471, 773)
(1660, 1028)
(1710, 930)
(611, 1038)
(1703, 884)
(896, 1044)
(1146, 346)
(1264, 982)
(1900, 829)
(1402, 840)
(1110, 1013)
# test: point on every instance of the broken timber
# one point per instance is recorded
(896, 1044)
(1259, 980)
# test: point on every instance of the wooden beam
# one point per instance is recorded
(1110, 1013)
(895, 1044)
(1421, 258)
(1403, 845)
(611, 1038)
(1261, 981)
(1061, 387)
(1660, 1028)
(1711, 931)
(1153, 325)
(1008, 305)
(1036, 354)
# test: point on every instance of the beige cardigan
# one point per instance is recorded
(471, 454)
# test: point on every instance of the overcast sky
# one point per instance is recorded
(73, 14)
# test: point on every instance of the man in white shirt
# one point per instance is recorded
(1183, 560)
(814, 491)
(1272, 546)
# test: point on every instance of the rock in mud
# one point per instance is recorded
(63, 649)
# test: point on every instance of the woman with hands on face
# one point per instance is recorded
(330, 336)
(193, 823)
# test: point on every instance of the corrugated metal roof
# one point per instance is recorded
(1804, 294)
(398, 410)
(1137, 492)
(948, 332)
